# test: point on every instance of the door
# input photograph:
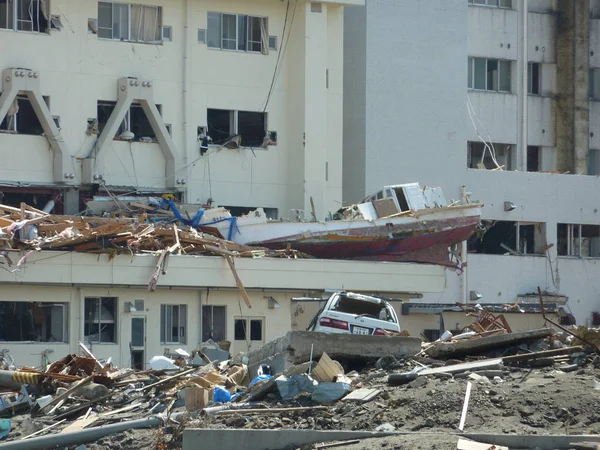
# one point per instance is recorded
(138, 343)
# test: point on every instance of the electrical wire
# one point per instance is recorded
(490, 147)
(263, 108)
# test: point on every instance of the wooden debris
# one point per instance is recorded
(362, 395)
(49, 427)
(327, 369)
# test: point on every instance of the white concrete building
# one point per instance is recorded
(119, 95)
(429, 86)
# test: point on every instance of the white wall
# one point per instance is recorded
(77, 69)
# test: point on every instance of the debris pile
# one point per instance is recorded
(538, 381)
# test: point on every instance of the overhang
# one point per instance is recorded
(192, 272)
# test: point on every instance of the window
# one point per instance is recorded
(489, 156)
(506, 237)
(492, 3)
(533, 78)
(25, 15)
(238, 32)
(578, 240)
(33, 322)
(167, 33)
(316, 7)
(224, 124)
(595, 84)
(100, 324)
(273, 42)
(593, 162)
(129, 22)
(135, 121)
(213, 323)
(21, 118)
(202, 36)
(489, 74)
(249, 329)
(533, 158)
(173, 322)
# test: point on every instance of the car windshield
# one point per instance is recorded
(361, 307)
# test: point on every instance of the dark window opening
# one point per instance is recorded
(252, 128)
(271, 213)
(36, 197)
(533, 78)
(533, 159)
(240, 330)
(490, 241)
(489, 156)
(220, 125)
(100, 319)
(401, 198)
(256, 330)
(135, 121)
(30, 15)
(213, 323)
(499, 238)
(21, 118)
(354, 306)
(33, 322)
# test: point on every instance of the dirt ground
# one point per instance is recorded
(513, 400)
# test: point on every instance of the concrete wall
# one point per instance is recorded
(86, 70)
(418, 127)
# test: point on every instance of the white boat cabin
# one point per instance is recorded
(400, 198)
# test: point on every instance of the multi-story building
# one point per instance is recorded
(499, 97)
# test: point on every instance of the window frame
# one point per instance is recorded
(44, 304)
(14, 10)
(100, 321)
(182, 329)
(248, 329)
(238, 27)
(471, 79)
(121, 6)
(234, 125)
(486, 4)
(575, 241)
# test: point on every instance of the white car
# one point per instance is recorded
(346, 312)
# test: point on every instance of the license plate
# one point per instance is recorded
(360, 330)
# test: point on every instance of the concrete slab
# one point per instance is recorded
(229, 439)
(463, 367)
(295, 346)
(475, 346)
(533, 441)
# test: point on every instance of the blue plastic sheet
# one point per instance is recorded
(259, 378)
(5, 427)
(221, 395)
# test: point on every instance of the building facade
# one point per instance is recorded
(493, 98)
(120, 97)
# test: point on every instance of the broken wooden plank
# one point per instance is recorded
(362, 395)
(66, 394)
(238, 282)
(49, 427)
(270, 410)
(463, 416)
(542, 354)
(79, 424)
(327, 369)
(165, 380)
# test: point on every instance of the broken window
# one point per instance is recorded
(271, 213)
(489, 156)
(213, 323)
(129, 22)
(506, 237)
(33, 322)
(100, 324)
(489, 74)
(173, 323)
(238, 32)
(251, 329)
(250, 126)
(21, 117)
(135, 121)
(25, 15)
(533, 78)
(533, 158)
(578, 240)
(357, 306)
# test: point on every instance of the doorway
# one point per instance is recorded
(138, 343)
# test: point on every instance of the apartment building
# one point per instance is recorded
(496, 99)
(227, 102)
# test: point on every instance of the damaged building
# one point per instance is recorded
(498, 101)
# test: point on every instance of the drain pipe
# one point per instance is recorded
(186, 85)
(524, 84)
(463, 256)
(80, 437)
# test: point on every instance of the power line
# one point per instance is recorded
(279, 56)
